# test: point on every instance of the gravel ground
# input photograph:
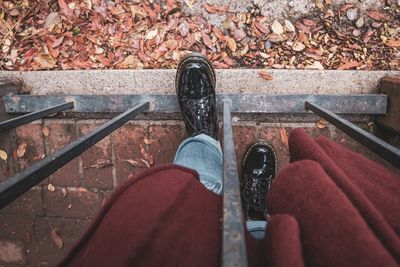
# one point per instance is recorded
(273, 9)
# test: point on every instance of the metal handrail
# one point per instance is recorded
(24, 119)
(380, 147)
(16, 185)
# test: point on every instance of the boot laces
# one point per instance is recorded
(197, 112)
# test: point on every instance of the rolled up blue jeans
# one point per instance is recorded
(203, 154)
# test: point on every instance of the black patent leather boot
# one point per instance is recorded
(258, 170)
(195, 88)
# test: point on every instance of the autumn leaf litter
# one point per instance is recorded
(98, 34)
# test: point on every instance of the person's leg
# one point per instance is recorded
(203, 154)
(195, 89)
(162, 217)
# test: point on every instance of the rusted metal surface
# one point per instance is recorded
(390, 86)
(241, 103)
(21, 120)
(380, 147)
(233, 244)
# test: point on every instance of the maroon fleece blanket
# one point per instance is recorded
(330, 207)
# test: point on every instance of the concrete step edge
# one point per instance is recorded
(161, 81)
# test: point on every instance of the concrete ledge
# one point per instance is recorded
(161, 81)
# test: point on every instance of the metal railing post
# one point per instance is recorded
(234, 243)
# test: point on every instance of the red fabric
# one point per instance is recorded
(330, 207)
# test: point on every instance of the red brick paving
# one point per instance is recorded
(99, 156)
(32, 135)
(43, 251)
(127, 141)
(60, 135)
(164, 140)
(273, 136)
(7, 168)
(29, 203)
(74, 204)
(81, 187)
(243, 136)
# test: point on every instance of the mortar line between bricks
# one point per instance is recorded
(257, 130)
(63, 217)
(81, 189)
(44, 124)
(113, 161)
(80, 163)
(134, 122)
(13, 135)
(46, 147)
(63, 120)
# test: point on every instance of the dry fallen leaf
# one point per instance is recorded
(134, 163)
(207, 41)
(149, 158)
(261, 27)
(64, 8)
(52, 19)
(46, 131)
(232, 44)
(100, 163)
(146, 163)
(297, 46)
(284, 137)
(377, 15)
(265, 75)
(64, 191)
(21, 150)
(215, 9)
(277, 28)
(57, 238)
(130, 62)
(393, 43)
(315, 66)
(82, 190)
(58, 42)
(321, 123)
(151, 34)
(46, 61)
(319, 4)
(51, 187)
(309, 22)
(3, 155)
(148, 141)
(289, 26)
(349, 65)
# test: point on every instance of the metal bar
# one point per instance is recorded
(241, 103)
(16, 185)
(21, 120)
(233, 245)
(380, 147)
